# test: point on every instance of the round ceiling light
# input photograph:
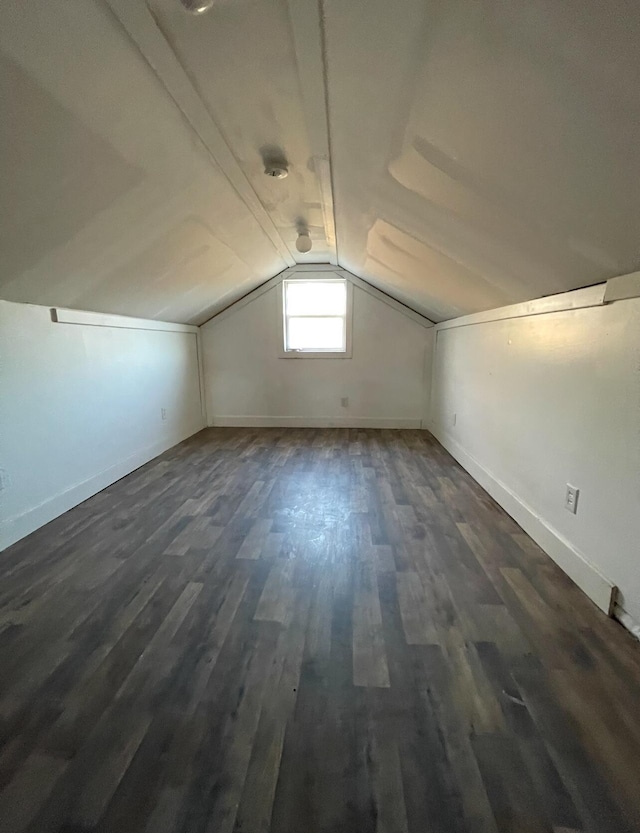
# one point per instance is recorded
(276, 171)
(197, 6)
(303, 243)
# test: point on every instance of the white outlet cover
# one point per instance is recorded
(571, 498)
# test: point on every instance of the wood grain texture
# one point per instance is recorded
(276, 631)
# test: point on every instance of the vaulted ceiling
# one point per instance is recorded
(458, 154)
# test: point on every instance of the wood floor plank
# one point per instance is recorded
(103, 781)
(284, 630)
(276, 601)
(254, 543)
(418, 626)
(510, 791)
(369, 653)
(20, 800)
(281, 687)
(386, 781)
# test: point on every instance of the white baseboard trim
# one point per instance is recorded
(588, 578)
(311, 422)
(627, 620)
(14, 529)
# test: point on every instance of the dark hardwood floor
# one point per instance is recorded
(307, 631)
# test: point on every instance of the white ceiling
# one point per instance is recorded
(471, 153)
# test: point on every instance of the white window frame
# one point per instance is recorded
(348, 319)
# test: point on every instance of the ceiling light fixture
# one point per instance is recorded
(303, 243)
(276, 170)
(197, 6)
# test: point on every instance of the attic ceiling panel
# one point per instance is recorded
(484, 153)
(241, 58)
(109, 201)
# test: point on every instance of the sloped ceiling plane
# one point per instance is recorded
(457, 154)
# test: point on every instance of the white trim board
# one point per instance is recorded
(620, 288)
(308, 41)
(14, 529)
(598, 588)
(201, 377)
(98, 319)
(311, 422)
(398, 306)
(253, 295)
(623, 288)
(143, 28)
(306, 268)
(592, 296)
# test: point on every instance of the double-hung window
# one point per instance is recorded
(316, 318)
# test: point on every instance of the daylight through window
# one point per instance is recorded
(315, 316)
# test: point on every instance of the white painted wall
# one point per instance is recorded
(80, 407)
(386, 380)
(546, 400)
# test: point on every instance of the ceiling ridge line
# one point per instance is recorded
(134, 17)
(307, 26)
(325, 84)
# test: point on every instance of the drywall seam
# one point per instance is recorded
(16, 528)
(311, 422)
(592, 296)
(98, 319)
(143, 29)
(598, 588)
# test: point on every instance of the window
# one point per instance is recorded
(316, 318)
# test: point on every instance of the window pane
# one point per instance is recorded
(316, 334)
(316, 297)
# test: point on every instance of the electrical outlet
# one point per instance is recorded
(163, 414)
(571, 499)
(345, 401)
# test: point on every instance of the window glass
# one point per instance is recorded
(316, 318)
(316, 298)
(316, 334)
